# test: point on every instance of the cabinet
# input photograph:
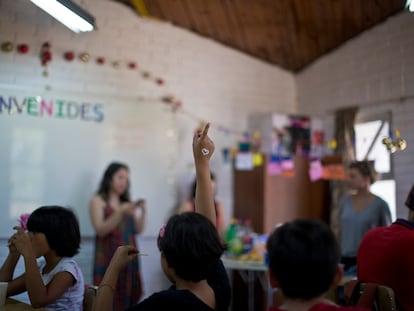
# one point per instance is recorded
(272, 199)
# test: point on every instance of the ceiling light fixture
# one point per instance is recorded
(410, 5)
(68, 13)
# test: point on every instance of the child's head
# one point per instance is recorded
(303, 258)
(115, 178)
(60, 227)
(190, 245)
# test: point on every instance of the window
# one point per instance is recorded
(369, 133)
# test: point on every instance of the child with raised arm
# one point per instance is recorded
(55, 283)
(190, 253)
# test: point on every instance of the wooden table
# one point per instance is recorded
(15, 305)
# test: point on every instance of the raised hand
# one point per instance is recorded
(203, 146)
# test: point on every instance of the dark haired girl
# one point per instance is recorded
(56, 282)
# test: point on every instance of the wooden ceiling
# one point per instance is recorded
(288, 33)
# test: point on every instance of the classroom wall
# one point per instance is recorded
(215, 83)
(374, 71)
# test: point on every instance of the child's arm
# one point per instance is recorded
(203, 148)
(39, 294)
(105, 294)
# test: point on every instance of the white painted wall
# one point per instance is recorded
(374, 71)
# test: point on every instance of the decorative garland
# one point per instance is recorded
(393, 143)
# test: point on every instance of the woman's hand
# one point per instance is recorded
(203, 146)
(123, 256)
(128, 208)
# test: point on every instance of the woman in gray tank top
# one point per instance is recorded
(359, 212)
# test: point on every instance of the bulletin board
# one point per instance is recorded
(55, 148)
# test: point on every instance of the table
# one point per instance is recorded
(15, 305)
(249, 271)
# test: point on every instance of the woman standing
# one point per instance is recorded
(360, 211)
(117, 220)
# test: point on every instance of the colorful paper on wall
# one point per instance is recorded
(274, 168)
(244, 161)
(257, 159)
(333, 172)
(287, 164)
(315, 170)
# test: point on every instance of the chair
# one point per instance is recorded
(89, 297)
(370, 295)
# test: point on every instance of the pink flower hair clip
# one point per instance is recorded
(162, 230)
(23, 220)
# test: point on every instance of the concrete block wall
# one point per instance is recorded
(374, 71)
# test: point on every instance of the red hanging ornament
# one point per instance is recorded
(23, 48)
(69, 56)
(132, 65)
(100, 60)
(45, 57)
(159, 81)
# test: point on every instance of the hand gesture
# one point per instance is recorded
(22, 241)
(123, 256)
(203, 146)
(12, 248)
(142, 204)
(127, 208)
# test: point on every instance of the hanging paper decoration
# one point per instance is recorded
(69, 56)
(132, 65)
(160, 81)
(23, 48)
(395, 144)
(100, 60)
(45, 57)
(116, 64)
(84, 57)
(146, 75)
(7, 46)
(173, 102)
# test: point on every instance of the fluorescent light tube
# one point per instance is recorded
(68, 13)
